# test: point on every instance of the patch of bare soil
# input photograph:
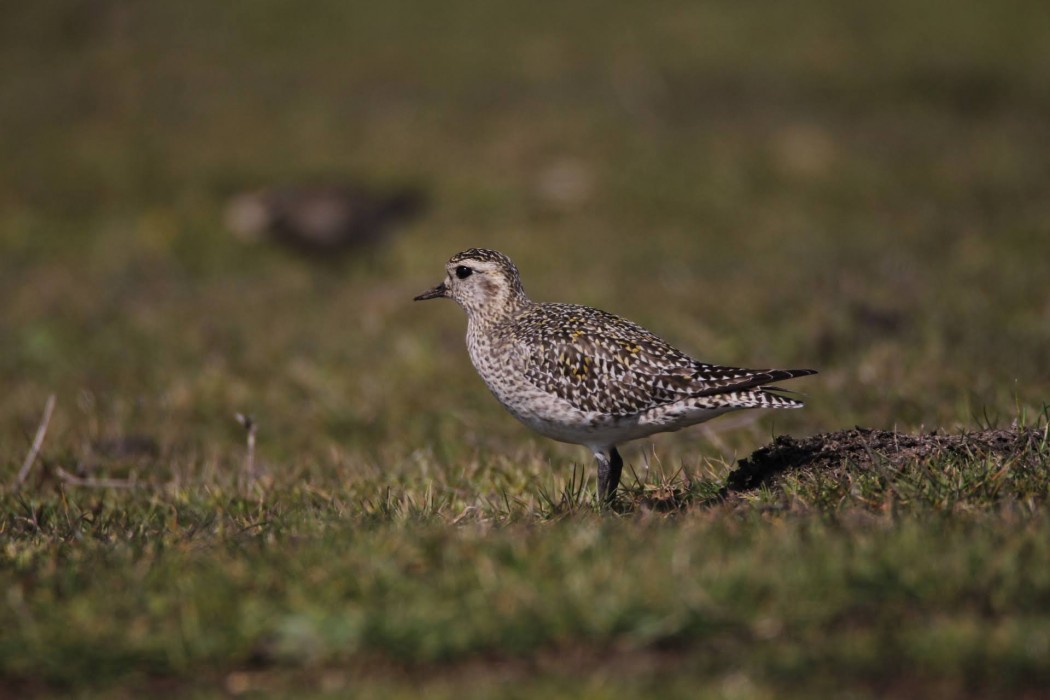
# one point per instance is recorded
(863, 449)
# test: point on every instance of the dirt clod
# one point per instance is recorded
(863, 449)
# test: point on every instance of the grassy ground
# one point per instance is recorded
(855, 188)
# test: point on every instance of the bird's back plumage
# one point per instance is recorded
(600, 362)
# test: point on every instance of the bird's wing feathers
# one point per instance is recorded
(603, 363)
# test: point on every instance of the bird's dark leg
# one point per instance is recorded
(615, 469)
(609, 469)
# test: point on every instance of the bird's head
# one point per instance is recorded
(484, 282)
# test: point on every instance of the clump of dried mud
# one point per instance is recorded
(862, 449)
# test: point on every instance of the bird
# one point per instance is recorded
(320, 220)
(581, 375)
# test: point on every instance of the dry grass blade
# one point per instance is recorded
(250, 427)
(74, 480)
(38, 442)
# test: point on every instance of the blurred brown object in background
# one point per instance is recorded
(323, 219)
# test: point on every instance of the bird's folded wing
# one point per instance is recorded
(603, 363)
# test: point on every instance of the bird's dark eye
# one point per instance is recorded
(463, 272)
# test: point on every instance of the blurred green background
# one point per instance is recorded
(861, 189)
(855, 187)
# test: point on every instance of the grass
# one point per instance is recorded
(879, 585)
(835, 186)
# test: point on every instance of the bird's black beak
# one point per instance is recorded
(439, 291)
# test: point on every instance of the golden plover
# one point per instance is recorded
(580, 375)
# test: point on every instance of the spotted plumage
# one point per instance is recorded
(585, 376)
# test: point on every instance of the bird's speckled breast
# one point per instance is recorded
(501, 364)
